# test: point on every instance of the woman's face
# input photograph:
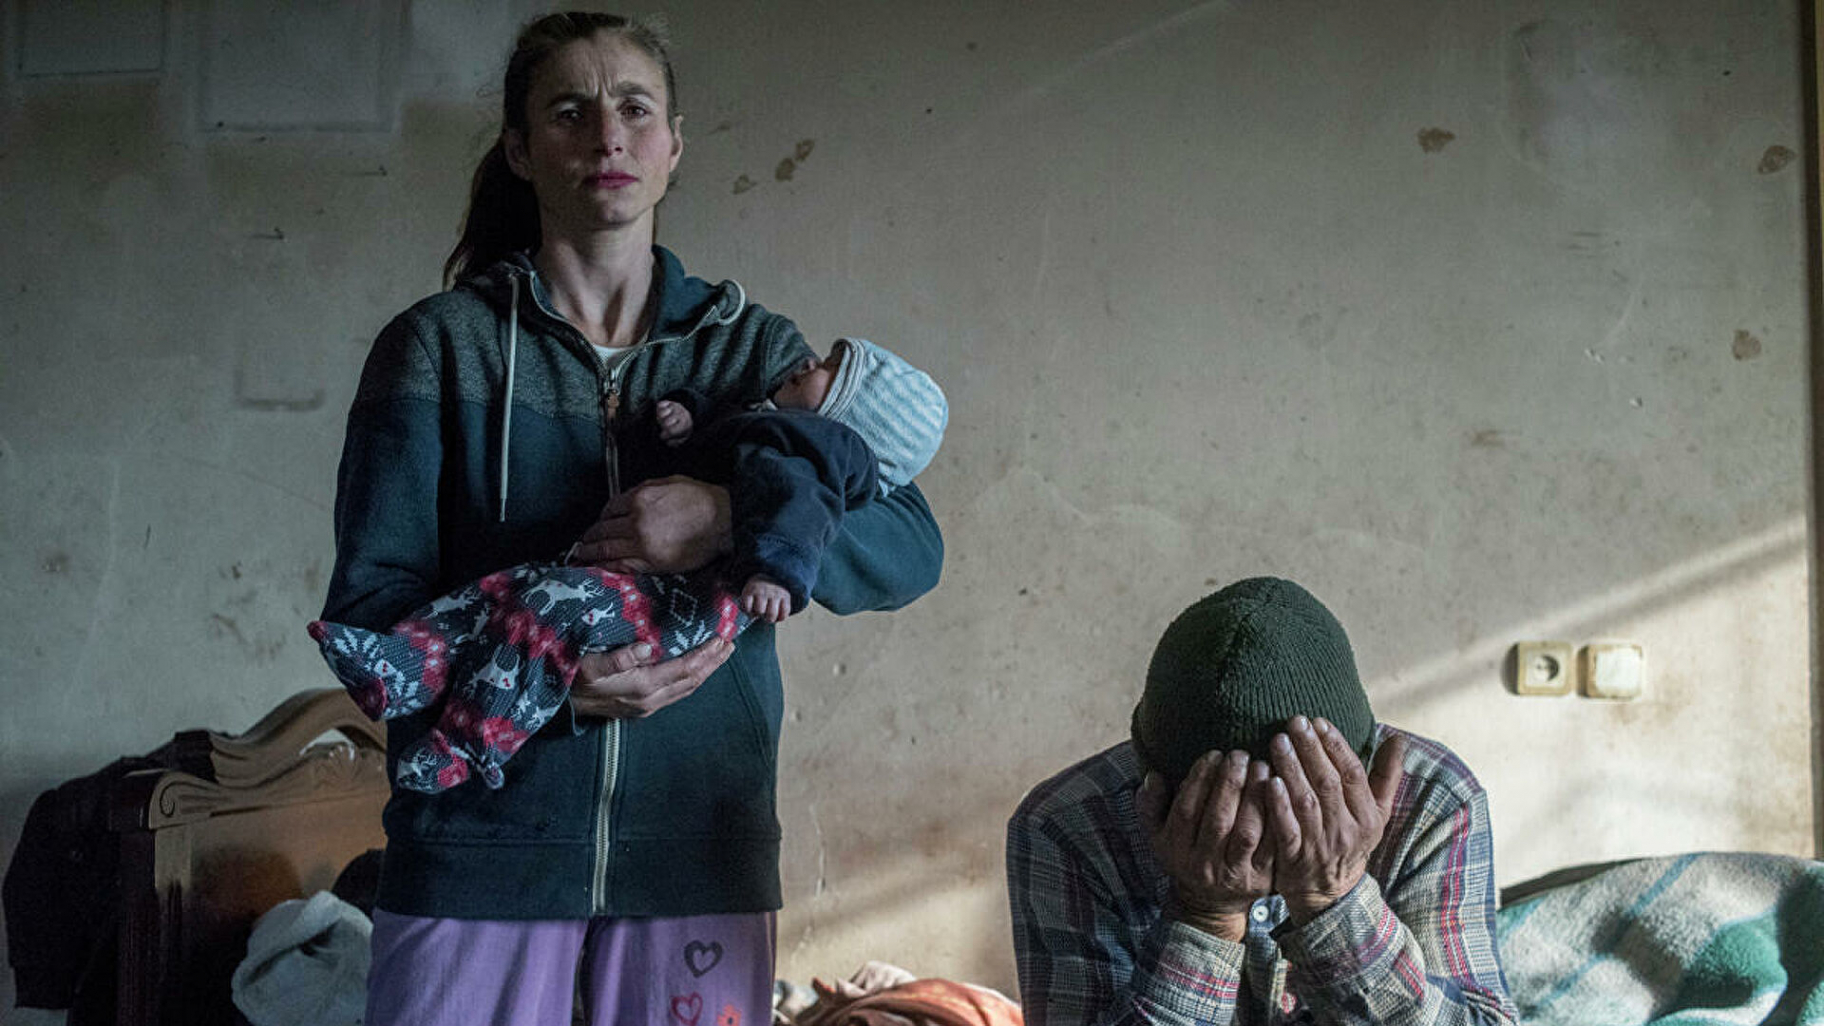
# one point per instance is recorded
(598, 148)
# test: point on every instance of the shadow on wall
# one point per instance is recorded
(926, 892)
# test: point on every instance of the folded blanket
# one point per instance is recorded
(1710, 938)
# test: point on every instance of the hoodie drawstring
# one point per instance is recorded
(506, 407)
(717, 314)
(740, 303)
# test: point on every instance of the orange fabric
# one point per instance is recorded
(930, 1003)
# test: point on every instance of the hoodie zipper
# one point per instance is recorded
(611, 759)
(611, 406)
(611, 732)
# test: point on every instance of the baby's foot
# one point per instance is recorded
(387, 675)
(483, 741)
(431, 764)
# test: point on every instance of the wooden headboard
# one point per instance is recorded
(202, 859)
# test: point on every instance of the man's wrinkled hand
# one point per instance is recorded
(1326, 813)
(1211, 840)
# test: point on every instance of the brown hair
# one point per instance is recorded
(503, 212)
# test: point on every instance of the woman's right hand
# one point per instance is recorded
(625, 683)
(668, 526)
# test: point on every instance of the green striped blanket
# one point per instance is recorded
(1689, 940)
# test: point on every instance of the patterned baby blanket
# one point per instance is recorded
(1706, 938)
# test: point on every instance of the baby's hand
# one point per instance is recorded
(763, 599)
(674, 422)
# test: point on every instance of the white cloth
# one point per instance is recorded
(306, 964)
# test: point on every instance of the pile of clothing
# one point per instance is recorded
(880, 994)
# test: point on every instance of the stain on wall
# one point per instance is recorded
(1746, 346)
(1586, 98)
(1775, 159)
(1433, 140)
(788, 166)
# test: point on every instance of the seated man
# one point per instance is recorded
(1238, 861)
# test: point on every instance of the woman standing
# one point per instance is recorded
(634, 849)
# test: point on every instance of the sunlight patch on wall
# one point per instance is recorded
(1713, 755)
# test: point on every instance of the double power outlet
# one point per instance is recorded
(1615, 670)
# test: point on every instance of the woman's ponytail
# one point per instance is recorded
(502, 218)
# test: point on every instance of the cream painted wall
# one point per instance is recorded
(1484, 321)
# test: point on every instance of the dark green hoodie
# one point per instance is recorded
(485, 434)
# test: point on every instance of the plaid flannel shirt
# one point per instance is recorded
(1412, 945)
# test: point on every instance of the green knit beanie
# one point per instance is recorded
(1234, 667)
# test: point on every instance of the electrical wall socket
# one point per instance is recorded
(1614, 670)
(1543, 667)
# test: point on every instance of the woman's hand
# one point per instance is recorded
(626, 683)
(670, 525)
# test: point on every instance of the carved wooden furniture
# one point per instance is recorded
(201, 859)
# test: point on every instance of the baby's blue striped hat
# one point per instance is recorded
(895, 407)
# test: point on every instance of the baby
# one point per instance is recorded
(879, 423)
(501, 652)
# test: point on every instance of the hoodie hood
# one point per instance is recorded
(686, 305)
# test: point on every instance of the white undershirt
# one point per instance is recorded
(612, 356)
